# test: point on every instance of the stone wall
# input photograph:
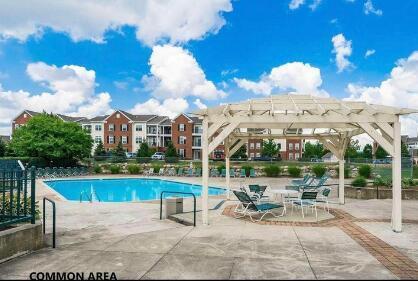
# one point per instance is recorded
(384, 193)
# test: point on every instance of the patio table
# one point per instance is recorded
(283, 192)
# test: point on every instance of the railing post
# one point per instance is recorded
(32, 194)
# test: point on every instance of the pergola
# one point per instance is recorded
(331, 121)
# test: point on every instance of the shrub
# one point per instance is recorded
(15, 205)
(220, 168)
(379, 181)
(156, 168)
(134, 169)
(247, 169)
(294, 171)
(347, 172)
(171, 159)
(272, 170)
(319, 170)
(115, 169)
(408, 182)
(359, 182)
(97, 169)
(365, 171)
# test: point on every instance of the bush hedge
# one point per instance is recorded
(319, 170)
(115, 169)
(359, 181)
(294, 171)
(272, 170)
(365, 171)
(134, 169)
(97, 169)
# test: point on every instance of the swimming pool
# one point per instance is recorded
(124, 190)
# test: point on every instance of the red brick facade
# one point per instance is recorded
(20, 120)
(294, 149)
(176, 132)
(117, 119)
(254, 148)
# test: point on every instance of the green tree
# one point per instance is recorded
(99, 151)
(368, 151)
(119, 151)
(404, 150)
(270, 148)
(47, 137)
(171, 150)
(353, 149)
(143, 150)
(313, 150)
(381, 153)
(241, 152)
(2, 148)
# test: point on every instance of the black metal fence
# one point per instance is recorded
(17, 194)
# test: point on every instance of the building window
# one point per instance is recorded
(97, 139)
(98, 127)
(197, 141)
(291, 146)
(290, 156)
(296, 156)
(296, 146)
(111, 139)
(251, 155)
(111, 127)
(251, 145)
(118, 115)
(124, 139)
(138, 139)
(182, 127)
(138, 128)
(181, 153)
(197, 129)
(258, 145)
(257, 154)
(25, 115)
(182, 140)
(124, 127)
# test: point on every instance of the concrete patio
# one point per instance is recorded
(130, 240)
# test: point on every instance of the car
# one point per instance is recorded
(130, 154)
(158, 156)
(267, 158)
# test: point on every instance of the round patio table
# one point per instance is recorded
(283, 192)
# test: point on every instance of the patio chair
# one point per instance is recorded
(180, 172)
(315, 186)
(198, 172)
(172, 172)
(214, 172)
(252, 173)
(150, 172)
(161, 172)
(232, 173)
(248, 207)
(258, 191)
(243, 174)
(223, 173)
(189, 172)
(308, 200)
(323, 198)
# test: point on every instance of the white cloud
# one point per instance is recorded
(342, 50)
(226, 72)
(200, 104)
(71, 91)
(174, 20)
(169, 107)
(298, 77)
(400, 89)
(175, 73)
(296, 4)
(370, 9)
(369, 53)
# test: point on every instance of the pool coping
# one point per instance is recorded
(153, 201)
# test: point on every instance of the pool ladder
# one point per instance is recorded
(89, 198)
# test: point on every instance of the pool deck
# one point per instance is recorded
(130, 240)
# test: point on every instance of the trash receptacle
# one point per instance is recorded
(173, 205)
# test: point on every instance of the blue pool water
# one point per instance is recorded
(124, 190)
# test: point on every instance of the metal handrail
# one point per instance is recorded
(178, 192)
(81, 196)
(53, 219)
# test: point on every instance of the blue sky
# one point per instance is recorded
(242, 41)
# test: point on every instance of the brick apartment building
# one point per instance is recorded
(184, 131)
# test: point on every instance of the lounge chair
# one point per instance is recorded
(252, 173)
(301, 181)
(214, 172)
(315, 186)
(308, 200)
(257, 192)
(243, 174)
(232, 173)
(248, 207)
(223, 173)
(172, 172)
(198, 172)
(150, 172)
(189, 172)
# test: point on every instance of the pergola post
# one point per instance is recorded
(341, 192)
(227, 167)
(396, 179)
(205, 172)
